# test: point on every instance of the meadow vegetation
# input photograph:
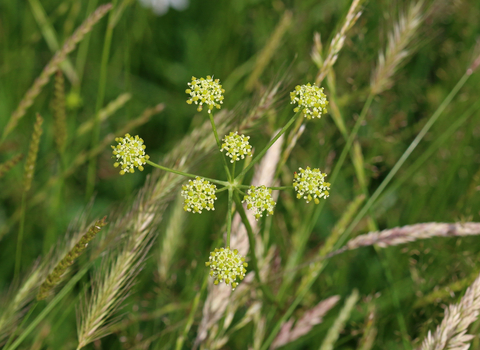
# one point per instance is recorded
(382, 256)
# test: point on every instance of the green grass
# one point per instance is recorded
(152, 58)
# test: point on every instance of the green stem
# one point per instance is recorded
(100, 100)
(18, 255)
(229, 215)
(282, 188)
(214, 128)
(223, 183)
(272, 141)
(49, 307)
(239, 207)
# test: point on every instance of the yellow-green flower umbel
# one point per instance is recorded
(205, 91)
(259, 199)
(227, 266)
(199, 194)
(310, 184)
(130, 154)
(310, 99)
(236, 146)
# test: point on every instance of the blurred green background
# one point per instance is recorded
(152, 57)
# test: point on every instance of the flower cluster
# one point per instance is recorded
(205, 91)
(199, 194)
(227, 266)
(310, 184)
(130, 154)
(236, 146)
(258, 200)
(310, 99)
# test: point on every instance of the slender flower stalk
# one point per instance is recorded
(219, 145)
(265, 149)
(251, 239)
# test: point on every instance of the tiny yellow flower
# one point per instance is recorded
(310, 184)
(205, 91)
(227, 266)
(199, 194)
(236, 146)
(259, 199)
(130, 154)
(310, 99)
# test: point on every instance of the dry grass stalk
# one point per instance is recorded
(304, 324)
(452, 332)
(56, 275)
(32, 154)
(9, 164)
(337, 42)
(339, 324)
(59, 126)
(52, 67)
(106, 112)
(402, 35)
(411, 233)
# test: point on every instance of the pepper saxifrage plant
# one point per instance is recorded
(227, 265)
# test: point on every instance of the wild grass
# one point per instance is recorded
(389, 261)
